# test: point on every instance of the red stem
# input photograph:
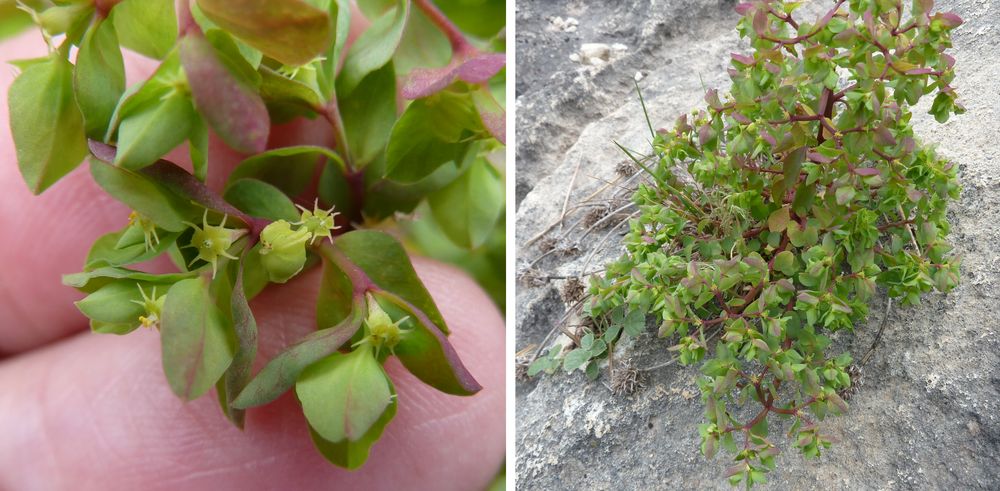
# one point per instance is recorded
(459, 43)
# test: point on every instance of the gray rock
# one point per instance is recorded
(928, 414)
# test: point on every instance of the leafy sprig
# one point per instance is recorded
(235, 69)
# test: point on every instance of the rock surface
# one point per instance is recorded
(928, 414)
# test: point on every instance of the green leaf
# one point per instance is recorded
(126, 246)
(634, 323)
(373, 49)
(283, 370)
(423, 45)
(432, 131)
(344, 395)
(260, 199)
(491, 113)
(369, 113)
(278, 90)
(198, 146)
(228, 101)
(481, 18)
(468, 208)
(352, 454)
(427, 354)
(149, 198)
(196, 339)
(154, 130)
(291, 31)
(575, 359)
(386, 263)
(45, 123)
(844, 194)
(113, 302)
(337, 297)
(290, 169)
(148, 27)
(90, 281)
(384, 197)
(99, 77)
(785, 262)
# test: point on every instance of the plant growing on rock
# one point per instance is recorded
(235, 68)
(771, 216)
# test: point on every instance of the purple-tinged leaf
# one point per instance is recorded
(231, 106)
(427, 354)
(290, 31)
(283, 370)
(245, 327)
(867, 171)
(494, 117)
(712, 98)
(740, 118)
(920, 71)
(769, 139)
(478, 69)
(948, 19)
(948, 60)
(819, 158)
(771, 67)
(382, 258)
(760, 22)
(705, 134)
(884, 137)
(181, 183)
(743, 8)
(747, 60)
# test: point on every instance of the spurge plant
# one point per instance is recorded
(772, 215)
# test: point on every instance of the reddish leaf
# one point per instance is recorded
(948, 19)
(743, 8)
(867, 171)
(712, 98)
(494, 117)
(290, 31)
(760, 22)
(744, 59)
(427, 354)
(884, 137)
(478, 69)
(819, 158)
(232, 107)
(920, 71)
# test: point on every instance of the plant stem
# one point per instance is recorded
(459, 43)
(331, 113)
(360, 281)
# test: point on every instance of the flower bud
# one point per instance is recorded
(59, 19)
(283, 250)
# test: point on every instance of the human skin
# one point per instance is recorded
(86, 411)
